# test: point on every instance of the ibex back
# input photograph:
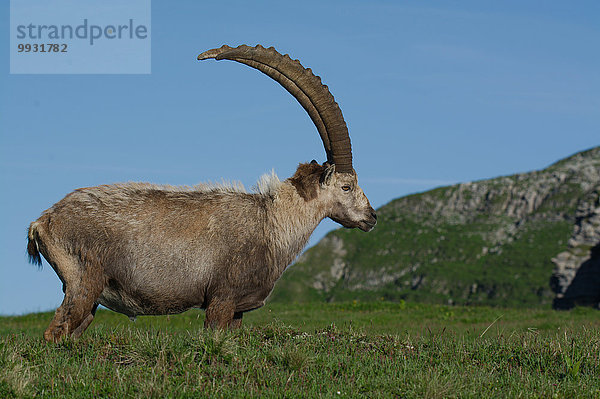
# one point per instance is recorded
(144, 249)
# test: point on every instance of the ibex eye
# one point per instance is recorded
(346, 188)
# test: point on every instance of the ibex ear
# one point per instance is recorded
(327, 174)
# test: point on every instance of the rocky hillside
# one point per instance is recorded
(576, 277)
(486, 242)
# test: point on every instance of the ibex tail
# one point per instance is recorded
(32, 245)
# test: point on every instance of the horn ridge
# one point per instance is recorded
(308, 90)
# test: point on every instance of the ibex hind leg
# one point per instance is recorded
(83, 284)
(85, 323)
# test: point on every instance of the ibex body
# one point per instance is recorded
(143, 249)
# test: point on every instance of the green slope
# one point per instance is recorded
(487, 242)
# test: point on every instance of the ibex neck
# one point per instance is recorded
(294, 220)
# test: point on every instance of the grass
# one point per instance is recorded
(376, 349)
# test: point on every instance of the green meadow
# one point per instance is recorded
(376, 349)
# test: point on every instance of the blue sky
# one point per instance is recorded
(433, 93)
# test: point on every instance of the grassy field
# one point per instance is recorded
(316, 350)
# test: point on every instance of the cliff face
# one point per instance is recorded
(576, 277)
(486, 242)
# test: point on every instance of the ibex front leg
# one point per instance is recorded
(220, 314)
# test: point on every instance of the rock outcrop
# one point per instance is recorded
(576, 277)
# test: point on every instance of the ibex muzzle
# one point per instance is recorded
(144, 249)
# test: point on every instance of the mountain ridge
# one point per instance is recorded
(489, 242)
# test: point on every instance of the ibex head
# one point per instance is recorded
(349, 204)
(338, 185)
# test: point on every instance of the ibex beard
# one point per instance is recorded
(144, 249)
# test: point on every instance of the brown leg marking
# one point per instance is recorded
(219, 314)
(85, 323)
(79, 305)
(57, 328)
(81, 328)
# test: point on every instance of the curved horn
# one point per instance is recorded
(307, 88)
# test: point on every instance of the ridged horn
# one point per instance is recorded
(307, 88)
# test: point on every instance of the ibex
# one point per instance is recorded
(145, 249)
